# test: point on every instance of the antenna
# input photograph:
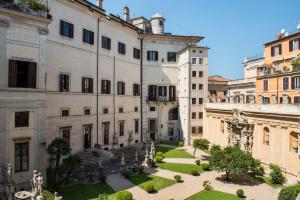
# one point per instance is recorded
(282, 31)
(298, 26)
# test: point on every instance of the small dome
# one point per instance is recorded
(157, 15)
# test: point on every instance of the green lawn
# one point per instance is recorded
(172, 143)
(142, 180)
(86, 192)
(213, 195)
(173, 153)
(182, 168)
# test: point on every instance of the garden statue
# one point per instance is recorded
(123, 160)
(40, 182)
(136, 156)
(57, 197)
(10, 183)
(146, 161)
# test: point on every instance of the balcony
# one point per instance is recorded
(161, 99)
(31, 7)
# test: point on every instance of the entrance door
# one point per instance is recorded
(87, 137)
(152, 128)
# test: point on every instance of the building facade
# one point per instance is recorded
(217, 89)
(95, 80)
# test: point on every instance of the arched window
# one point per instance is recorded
(222, 126)
(294, 142)
(266, 136)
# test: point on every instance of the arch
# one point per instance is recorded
(266, 136)
(294, 141)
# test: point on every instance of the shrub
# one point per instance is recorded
(289, 193)
(214, 148)
(141, 169)
(276, 174)
(103, 179)
(102, 197)
(123, 195)
(181, 144)
(256, 168)
(150, 188)
(240, 193)
(178, 178)
(161, 154)
(194, 172)
(198, 162)
(159, 159)
(126, 174)
(205, 166)
(207, 185)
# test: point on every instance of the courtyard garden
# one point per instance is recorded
(181, 168)
(170, 152)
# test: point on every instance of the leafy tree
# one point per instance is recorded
(276, 174)
(202, 144)
(214, 147)
(231, 160)
(256, 168)
(57, 149)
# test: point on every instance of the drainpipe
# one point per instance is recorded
(114, 96)
(97, 85)
(141, 37)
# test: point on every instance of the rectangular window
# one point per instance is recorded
(162, 91)
(122, 48)
(200, 73)
(66, 134)
(200, 129)
(136, 90)
(193, 100)
(64, 83)
(22, 74)
(172, 93)
(200, 61)
(266, 85)
(294, 45)
(193, 115)
(193, 130)
(21, 157)
(200, 115)
(136, 109)
(194, 73)
(194, 86)
(105, 110)
(106, 133)
(200, 101)
(105, 86)
(200, 86)
(136, 125)
(152, 109)
(136, 53)
(276, 50)
(121, 128)
(106, 43)
(66, 29)
(194, 61)
(121, 88)
(296, 82)
(297, 100)
(121, 110)
(87, 85)
(172, 56)
(87, 111)
(88, 36)
(152, 92)
(152, 55)
(22, 119)
(285, 83)
(65, 112)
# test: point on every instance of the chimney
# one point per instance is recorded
(99, 3)
(126, 14)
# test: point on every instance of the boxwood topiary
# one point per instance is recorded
(123, 195)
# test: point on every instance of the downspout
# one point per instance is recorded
(114, 96)
(141, 37)
(97, 85)
(190, 104)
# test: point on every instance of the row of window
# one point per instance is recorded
(194, 115)
(295, 83)
(197, 130)
(194, 101)
(194, 73)
(294, 45)
(161, 93)
(194, 61)
(87, 86)
(194, 86)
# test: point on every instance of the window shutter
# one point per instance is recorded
(293, 83)
(83, 85)
(67, 79)
(32, 75)
(138, 89)
(71, 30)
(61, 82)
(91, 85)
(92, 38)
(148, 55)
(61, 27)
(12, 82)
(272, 51)
(291, 45)
(109, 43)
(156, 56)
(108, 86)
(280, 49)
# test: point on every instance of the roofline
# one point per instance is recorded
(141, 17)
(192, 46)
(280, 39)
(101, 11)
(196, 38)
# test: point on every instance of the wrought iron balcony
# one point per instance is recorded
(31, 7)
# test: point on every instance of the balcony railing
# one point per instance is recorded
(31, 7)
(161, 98)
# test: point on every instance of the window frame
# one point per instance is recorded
(70, 32)
(152, 56)
(172, 57)
(21, 153)
(136, 53)
(121, 48)
(105, 42)
(26, 122)
(88, 37)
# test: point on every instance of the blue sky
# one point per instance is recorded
(232, 29)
